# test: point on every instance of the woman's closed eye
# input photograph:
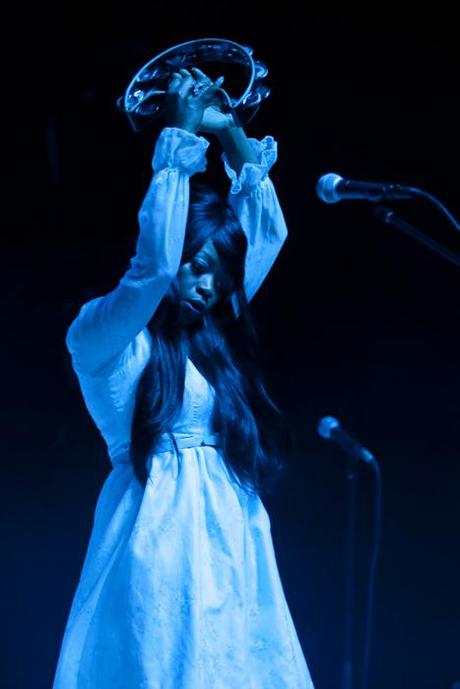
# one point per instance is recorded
(198, 267)
(222, 284)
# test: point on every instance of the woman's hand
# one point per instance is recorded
(194, 104)
(188, 98)
(214, 120)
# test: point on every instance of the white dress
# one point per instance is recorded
(180, 587)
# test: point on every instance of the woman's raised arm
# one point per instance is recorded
(252, 195)
(105, 325)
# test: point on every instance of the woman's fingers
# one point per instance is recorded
(201, 76)
(209, 93)
(180, 82)
(197, 85)
(174, 82)
(187, 83)
(201, 81)
(189, 94)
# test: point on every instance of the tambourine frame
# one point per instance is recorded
(144, 97)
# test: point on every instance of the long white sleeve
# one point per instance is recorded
(254, 199)
(107, 324)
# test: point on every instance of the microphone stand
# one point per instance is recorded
(388, 217)
(329, 428)
(351, 491)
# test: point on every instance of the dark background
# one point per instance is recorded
(357, 319)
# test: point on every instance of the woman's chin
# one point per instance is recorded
(188, 314)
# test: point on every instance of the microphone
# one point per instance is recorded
(330, 429)
(332, 188)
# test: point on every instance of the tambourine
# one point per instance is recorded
(144, 99)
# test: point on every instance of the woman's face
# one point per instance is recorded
(201, 283)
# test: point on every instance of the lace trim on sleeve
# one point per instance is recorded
(179, 149)
(253, 174)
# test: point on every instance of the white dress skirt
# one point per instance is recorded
(180, 588)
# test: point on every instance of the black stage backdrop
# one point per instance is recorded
(357, 320)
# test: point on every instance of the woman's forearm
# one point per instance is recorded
(236, 146)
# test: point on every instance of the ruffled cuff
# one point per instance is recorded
(253, 173)
(181, 150)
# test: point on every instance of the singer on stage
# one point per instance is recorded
(180, 587)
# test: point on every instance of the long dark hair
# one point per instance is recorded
(255, 437)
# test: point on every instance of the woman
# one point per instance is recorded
(180, 587)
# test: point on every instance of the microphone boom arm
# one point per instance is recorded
(389, 217)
